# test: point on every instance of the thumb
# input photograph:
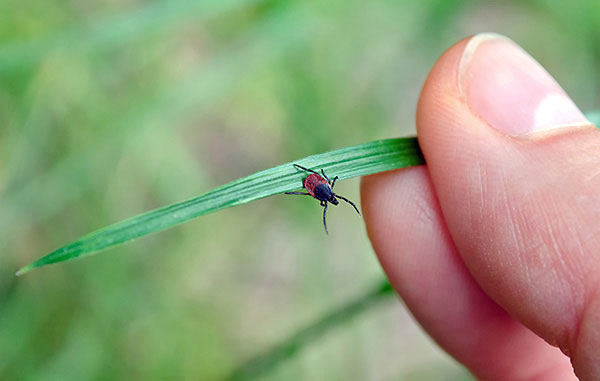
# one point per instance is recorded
(515, 166)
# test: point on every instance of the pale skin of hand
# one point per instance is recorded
(494, 245)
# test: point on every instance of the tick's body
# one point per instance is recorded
(318, 187)
(321, 188)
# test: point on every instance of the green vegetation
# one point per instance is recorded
(109, 109)
(360, 160)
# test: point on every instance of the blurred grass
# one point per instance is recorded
(224, 88)
(289, 348)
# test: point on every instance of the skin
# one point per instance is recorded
(495, 245)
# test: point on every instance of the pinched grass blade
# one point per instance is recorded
(360, 160)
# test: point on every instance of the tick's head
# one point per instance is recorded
(333, 200)
(323, 192)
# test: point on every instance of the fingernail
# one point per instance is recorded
(510, 90)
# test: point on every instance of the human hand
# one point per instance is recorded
(495, 244)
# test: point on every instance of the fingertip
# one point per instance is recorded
(384, 197)
(517, 181)
(408, 233)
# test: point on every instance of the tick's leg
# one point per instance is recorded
(333, 183)
(349, 202)
(325, 176)
(305, 169)
(300, 193)
(324, 219)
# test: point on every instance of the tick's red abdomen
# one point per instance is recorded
(311, 182)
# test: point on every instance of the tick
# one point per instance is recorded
(321, 188)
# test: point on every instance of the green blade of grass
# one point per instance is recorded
(265, 362)
(594, 117)
(360, 160)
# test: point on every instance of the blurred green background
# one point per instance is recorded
(109, 108)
